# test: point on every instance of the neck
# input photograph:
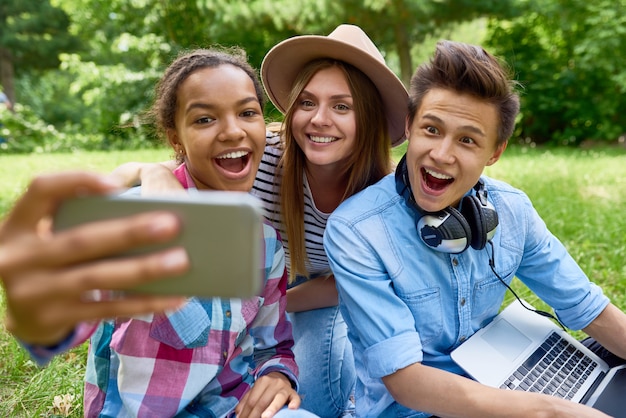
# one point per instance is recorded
(328, 187)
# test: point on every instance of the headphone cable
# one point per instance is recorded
(492, 264)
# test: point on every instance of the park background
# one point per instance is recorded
(81, 72)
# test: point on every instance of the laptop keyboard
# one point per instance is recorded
(556, 368)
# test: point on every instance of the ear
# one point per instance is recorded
(497, 153)
(172, 138)
(407, 127)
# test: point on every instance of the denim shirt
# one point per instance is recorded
(405, 302)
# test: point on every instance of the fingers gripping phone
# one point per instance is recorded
(221, 231)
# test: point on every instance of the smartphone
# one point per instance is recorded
(221, 231)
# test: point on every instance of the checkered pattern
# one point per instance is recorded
(196, 361)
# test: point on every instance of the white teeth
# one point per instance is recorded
(436, 175)
(322, 139)
(235, 154)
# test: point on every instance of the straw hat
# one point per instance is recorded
(347, 43)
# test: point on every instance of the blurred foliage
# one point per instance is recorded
(107, 55)
(24, 132)
(568, 55)
(32, 34)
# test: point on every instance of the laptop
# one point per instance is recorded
(521, 350)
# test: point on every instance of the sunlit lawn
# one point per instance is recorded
(25, 389)
(580, 194)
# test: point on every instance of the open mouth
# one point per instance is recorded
(233, 162)
(434, 180)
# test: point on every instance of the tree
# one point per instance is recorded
(568, 56)
(32, 34)
(127, 44)
(400, 25)
(395, 26)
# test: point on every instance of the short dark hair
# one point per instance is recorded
(468, 69)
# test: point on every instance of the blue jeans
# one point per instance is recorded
(324, 357)
(293, 413)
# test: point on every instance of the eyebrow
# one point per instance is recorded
(437, 119)
(202, 105)
(334, 96)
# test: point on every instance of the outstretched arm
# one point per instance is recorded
(154, 178)
(53, 281)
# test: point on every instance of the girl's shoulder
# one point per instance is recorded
(273, 132)
(273, 146)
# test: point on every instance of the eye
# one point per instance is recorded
(432, 130)
(343, 107)
(249, 113)
(466, 140)
(306, 103)
(204, 119)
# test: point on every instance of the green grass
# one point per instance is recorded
(17, 170)
(580, 194)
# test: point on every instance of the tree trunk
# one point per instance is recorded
(404, 53)
(6, 74)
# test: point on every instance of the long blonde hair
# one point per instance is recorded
(370, 161)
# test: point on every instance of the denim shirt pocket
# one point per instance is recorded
(187, 327)
(488, 292)
(425, 305)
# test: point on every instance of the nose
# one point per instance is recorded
(443, 151)
(321, 117)
(230, 129)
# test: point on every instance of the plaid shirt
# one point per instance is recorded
(197, 361)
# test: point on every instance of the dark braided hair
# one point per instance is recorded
(163, 111)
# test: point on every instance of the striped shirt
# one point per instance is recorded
(267, 188)
(196, 361)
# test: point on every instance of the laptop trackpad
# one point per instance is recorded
(611, 400)
(506, 339)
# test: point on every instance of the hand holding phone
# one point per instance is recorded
(222, 233)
